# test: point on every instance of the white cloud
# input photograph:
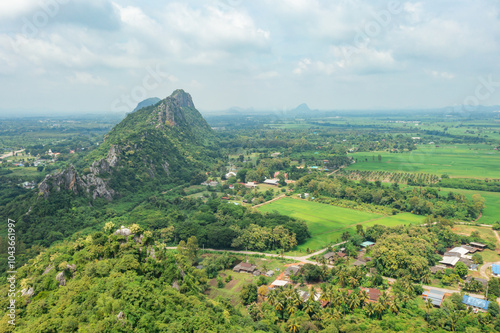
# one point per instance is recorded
(267, 75)
(297, 45)
(441, 75)
(87, 79)
(210, 28)
(12, 9)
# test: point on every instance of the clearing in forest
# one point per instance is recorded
(327, 223)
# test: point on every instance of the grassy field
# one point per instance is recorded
(485, 233)
(403, 218)
(232, 289)
(327, 223)
(470, 161)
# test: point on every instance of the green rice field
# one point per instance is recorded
(468, 161)
(327, 223)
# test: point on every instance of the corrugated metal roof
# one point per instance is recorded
(476, 302)
(460, 250)
(495, 268)
(279, 283)
(435, 296)
(450, 260)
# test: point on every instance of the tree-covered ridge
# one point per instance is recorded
(216, 223)
(117, 283)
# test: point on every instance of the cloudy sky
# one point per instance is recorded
(101, 56)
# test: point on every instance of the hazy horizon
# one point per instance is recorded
(60, 57)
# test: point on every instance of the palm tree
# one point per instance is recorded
(271, 297)
(369, 309)
(428, 307)
(342, 277)
(426, 278)
(279, 304)
(379, 308)
(353, 281)
(363, 296)
(338, 298)
(354, 301)
(394, 306)
(404, 298)
(309, 306)
(293, 326)
(331, 314)
(383, 299)
(324, 270)
(295, 298)
(291, 308)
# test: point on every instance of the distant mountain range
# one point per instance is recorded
(146, 103)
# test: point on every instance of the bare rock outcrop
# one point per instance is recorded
(60, 278)
(123, 231)
(27, 292)
(91, 183)
(48, 269)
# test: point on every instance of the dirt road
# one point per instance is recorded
(281, 196)
(10, 154)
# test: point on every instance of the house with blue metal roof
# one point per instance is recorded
(495, 269)
(481, 304)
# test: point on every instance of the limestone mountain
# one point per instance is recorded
(161, 143)
(301, 109)
(146, 103)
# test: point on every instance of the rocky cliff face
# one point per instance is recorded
(183, 98)
(168, 113)
(91, 183)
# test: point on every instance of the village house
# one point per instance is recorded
(373, 294)
(244, 267)
(278, 283)
(330, 256)
(230, 174)
(495, 269)
(435, 296)
(251, 185)
(359, 263)
(476, 303)
(274, 182)
(292, 270)
(437, 268)
(484, 282)
(367, 244)
(478, 246)
(451, 257)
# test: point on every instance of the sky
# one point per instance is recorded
(106, 56)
